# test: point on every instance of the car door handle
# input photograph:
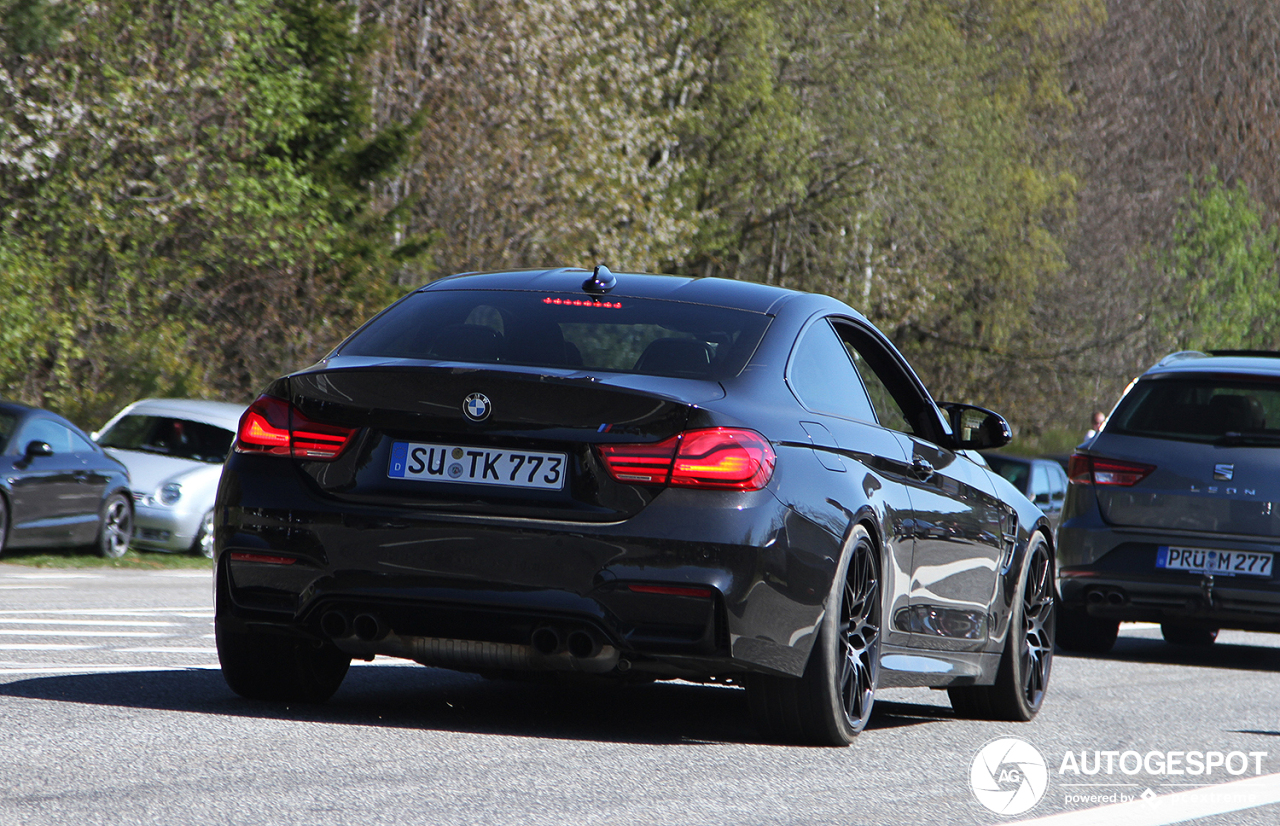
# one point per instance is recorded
(922, 469)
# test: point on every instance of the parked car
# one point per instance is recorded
(57, 488)
(634, 476)
(174, 449)
(1040, 479)
(1172, 513)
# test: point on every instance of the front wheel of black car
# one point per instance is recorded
(271, 667)
(115, 527)
(1023, 675)
(831, 702)
(1193, 635)
(1084, 634)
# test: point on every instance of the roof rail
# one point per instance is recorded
(1264, 353)
(1181, 355)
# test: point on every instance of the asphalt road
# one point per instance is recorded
(112, 711)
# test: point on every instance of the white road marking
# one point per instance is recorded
(45, 632)
(1164, 809)
(173, 650)
(35, 587)
(19, 669)
(198, 611)
(55, 575)
(41, 646)
(94, 622)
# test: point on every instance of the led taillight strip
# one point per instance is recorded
(722, 458)
(274, 427)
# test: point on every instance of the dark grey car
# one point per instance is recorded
(1173, 513)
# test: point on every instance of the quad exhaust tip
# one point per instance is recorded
(546, 640)
(335, 624)
(369, 628)
(1112, 597)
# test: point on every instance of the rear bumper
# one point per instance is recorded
(1111, 573)
(699, 583)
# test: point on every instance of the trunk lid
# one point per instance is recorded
(1195, 486)
(525, 450)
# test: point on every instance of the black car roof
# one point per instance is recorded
(1261, 364)
(720, 292)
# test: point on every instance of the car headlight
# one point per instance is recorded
(170, 493)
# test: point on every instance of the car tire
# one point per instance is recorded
(278, 668)
(1085, 634)
(1197, 636)
(831, 703)
(202, 545)
(115, 526)
(1023, 674)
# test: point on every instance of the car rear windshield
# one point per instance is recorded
(564, 330)
(180, 438)
(1224, 409)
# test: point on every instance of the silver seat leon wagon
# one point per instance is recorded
(1173, 511)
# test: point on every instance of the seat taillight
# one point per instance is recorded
(274, 427)
(1095, 470)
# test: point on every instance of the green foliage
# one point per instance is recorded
(185, 201)
(1224, 273)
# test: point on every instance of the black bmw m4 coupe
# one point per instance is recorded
(636, 477)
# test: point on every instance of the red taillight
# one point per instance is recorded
(671, 590)
(1094, 470)
(722, 458)
(277, 428)
(645, 464)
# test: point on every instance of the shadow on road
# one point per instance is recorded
(428, 698)
(1219, 655)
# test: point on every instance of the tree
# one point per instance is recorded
(1224, 278)
(186, 202)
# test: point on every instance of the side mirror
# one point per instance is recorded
(976, 428)
(37, 448)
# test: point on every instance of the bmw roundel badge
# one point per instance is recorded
(477, 407)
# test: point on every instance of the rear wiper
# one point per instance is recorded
(1228, 439)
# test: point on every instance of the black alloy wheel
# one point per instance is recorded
(1197, 636)
(274, 667)
(115, 530)
(1023, 676)
(831, 703)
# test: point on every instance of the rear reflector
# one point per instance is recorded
(723, 458)
(671, 590)
(273, 426)
(240, 556)
(1094, 470)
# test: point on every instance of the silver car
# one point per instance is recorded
(174, 449)
(1173, 511)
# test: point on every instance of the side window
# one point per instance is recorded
(79, 444)
(50, 432)
(1058, 483)
(1040, 483)
(897, 401)
(823, 378)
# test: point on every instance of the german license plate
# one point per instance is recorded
(1218, 563)
(477, 466)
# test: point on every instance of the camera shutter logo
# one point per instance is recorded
(1008, 776)
(477, 407)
